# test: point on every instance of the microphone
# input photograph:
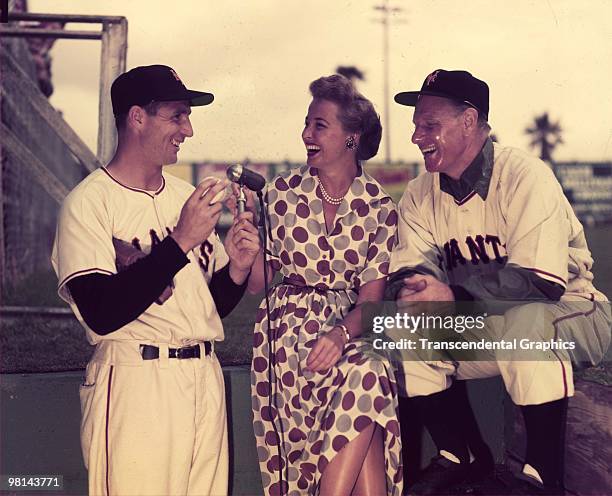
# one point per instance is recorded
(245, 177)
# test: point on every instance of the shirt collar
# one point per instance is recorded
(476, 178)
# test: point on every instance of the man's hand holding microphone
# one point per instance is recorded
(201, 212)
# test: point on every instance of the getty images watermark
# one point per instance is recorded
(455, 323)
(481, 331)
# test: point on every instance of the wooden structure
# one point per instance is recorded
(113, 35)
(37, 143)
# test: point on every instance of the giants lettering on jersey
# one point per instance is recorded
(481, 249)
(206, 248)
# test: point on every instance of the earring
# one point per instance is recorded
(350, 143)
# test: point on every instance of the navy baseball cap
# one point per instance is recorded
(460, 86)
(145, 84)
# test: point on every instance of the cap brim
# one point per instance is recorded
(407, 98)
(198, 98)
(411, 98)
(195, 98)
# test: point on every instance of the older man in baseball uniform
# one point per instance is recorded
(139, 261)
(491, 223)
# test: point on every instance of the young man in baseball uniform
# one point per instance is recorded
(489, 222)
(139, 261)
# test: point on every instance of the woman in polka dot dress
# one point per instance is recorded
(326, 421)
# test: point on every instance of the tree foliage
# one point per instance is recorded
(545, 135)
(350, 72)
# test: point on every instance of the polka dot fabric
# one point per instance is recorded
(314, 415)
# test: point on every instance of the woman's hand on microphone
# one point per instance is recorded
(242, 246)
(232, 202)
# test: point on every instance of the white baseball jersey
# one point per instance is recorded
(99, 209)
(525, 221)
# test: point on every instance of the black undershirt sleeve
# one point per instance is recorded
(108, 302)
(225, 292)
(512, 283)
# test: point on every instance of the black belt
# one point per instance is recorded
(149, 352)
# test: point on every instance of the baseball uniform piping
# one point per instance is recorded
(560, 319)
(560, 279)
(592, 310)
(108, 400)
(148, 193)
(564, 376)
(576, 314)
(82, 272)
(466, 199)
(557, 356)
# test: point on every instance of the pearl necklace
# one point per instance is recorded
(327, 197)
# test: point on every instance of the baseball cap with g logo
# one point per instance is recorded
(460, 86)
(145, 84)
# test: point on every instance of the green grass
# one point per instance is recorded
(37, 290)
(35, 344)
(237, 349)
(599, 240)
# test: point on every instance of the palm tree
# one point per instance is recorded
(546, 135)
(350, 72)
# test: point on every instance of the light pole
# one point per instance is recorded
(386, 10)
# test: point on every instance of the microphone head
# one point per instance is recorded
(245, 177)
(234, 173)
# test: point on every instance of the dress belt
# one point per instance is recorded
(319, 288)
